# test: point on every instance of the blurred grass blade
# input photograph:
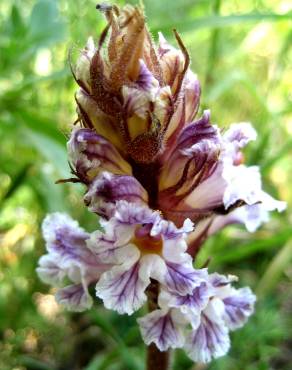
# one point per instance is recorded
(17, 181)
(102, 361)
(270, 162)
(104, 324)
(253, 247)
(34, 364)
(129, 361)
(229, 20)
(275, 269)
(217, 21)
(228, 84)
(214, 49)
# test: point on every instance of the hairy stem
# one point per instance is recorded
(156, 360)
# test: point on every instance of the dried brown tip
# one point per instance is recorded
(206, 263)
(104, 7)
(183, 49)
(103, 36)
(78, 81)
(71, 179)
(187, 62)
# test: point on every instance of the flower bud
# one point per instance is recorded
(107, 189)
(91, 153)
(136, 95)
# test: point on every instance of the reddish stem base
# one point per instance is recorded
(157, 360)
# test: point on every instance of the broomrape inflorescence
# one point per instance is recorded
(161, 182)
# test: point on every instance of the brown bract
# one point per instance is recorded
(126, 70)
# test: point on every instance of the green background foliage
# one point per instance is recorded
(241, 51)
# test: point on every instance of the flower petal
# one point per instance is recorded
(252, 216)
(107, 189)
(111, 246)
(146, 103)
(103, 245)
(244, 183)
(159, 327)
(192, 92)
(74, 298)
(174, 251)
(91, 153)
(133, 214)
(190, 168)
(81, 72)
(146, 81)
(66, 240)
(271, 204)
(238, 307)
(184, 113)
(122, 289)
(198, 236)
(183, 278)
(127, 217)
(49, 270)
(196, 301)
(172, 63)
(136, 103)
(202, 129)
(69, 255)
(240, 134)
(94, 118)
(208, 195)
(170, 231)
(209, 340)
(222, 288)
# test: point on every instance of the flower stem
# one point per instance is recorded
(156, 360)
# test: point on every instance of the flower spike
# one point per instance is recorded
(161, 181)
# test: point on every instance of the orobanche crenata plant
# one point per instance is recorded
(161, 182)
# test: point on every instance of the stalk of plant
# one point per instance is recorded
(161, 181)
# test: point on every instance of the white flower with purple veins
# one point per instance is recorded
(141, 246)
(199, 321)
(239, 197)
(227, 309)
(69, 258)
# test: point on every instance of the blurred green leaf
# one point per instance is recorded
(41, 125)
(18, 27)
(45, 26)
(49, 149)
